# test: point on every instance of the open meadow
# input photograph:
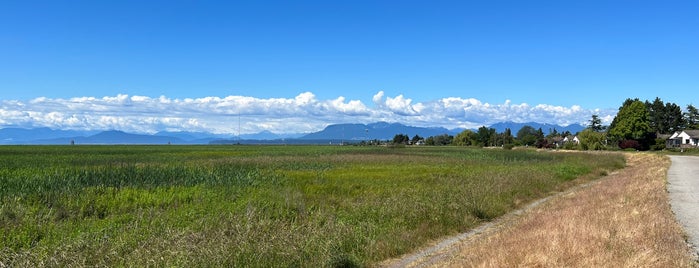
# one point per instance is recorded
(261, 206)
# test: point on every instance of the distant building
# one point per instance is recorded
(571, 139)
(683, 139)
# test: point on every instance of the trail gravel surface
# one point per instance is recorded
(683, 186)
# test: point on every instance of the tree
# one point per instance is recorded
(596, 124)
(664, 117)
(443, 139)
(553, 133)
(466, 138)
(691, 117)
(527, 135)
(656, 112)
(415, 139)
(485, 136)
(401, 139)
(591, 139)
(631, 123)
(673, 118)
(507, 137)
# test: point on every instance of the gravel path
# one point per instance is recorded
(683, 186)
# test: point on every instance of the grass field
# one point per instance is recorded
(260, 206)
(623, 220)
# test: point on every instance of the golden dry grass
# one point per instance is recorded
(624, 220)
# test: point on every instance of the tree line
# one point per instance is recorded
(638, 125)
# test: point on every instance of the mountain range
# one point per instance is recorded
(331, 134)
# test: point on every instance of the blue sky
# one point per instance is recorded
(567, 57)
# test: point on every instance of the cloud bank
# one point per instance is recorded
(304, 113)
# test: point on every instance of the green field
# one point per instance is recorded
(260, 206)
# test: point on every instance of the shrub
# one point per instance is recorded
(659, 144)
(570, 146)
(629, 144)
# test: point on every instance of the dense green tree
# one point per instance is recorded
(401, 139)
(527, 135)
(631, 123)
(507, 137)
(664, 117)
(486, 136)
(596, 124)
(443, 139)
(591, 139)
(553, 133)
(466, 138)
(415, 139)
(656, 113)
(691, 117)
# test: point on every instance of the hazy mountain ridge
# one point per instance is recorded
(332, 133)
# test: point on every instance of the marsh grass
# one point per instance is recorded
(259, 206)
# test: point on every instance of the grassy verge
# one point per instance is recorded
(259, 205)
(623, 221)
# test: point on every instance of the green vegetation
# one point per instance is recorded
(260, 206)
(637, 126)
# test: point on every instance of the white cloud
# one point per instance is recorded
(303, 113)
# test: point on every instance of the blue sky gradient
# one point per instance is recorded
(592, 54)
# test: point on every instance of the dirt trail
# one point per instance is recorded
(683, 186)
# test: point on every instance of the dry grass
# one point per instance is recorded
(624, 220)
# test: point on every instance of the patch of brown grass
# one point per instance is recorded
(624, 220)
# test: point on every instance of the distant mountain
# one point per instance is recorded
(268, 135)
(113, 137)
(204, 136)
(22, 135)
(546, 128)
(120, 137)
(380, 131)
(191, 136)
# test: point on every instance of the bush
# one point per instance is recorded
(570, 146)
(629, 144)
(597, 146)
(659, 144)
(544, 143)
(508, 146)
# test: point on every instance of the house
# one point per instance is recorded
(683, 139)
(571, 139)
(557, 140)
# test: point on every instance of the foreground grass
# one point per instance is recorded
(259, 205)
(623, 221)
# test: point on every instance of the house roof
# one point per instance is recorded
(664, 136)
(694, 133)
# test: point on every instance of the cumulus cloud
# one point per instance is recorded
(303, 113)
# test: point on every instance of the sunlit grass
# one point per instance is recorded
(259, 205)
(623, 220)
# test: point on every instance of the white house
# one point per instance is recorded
(685, 138)
(571, 139)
